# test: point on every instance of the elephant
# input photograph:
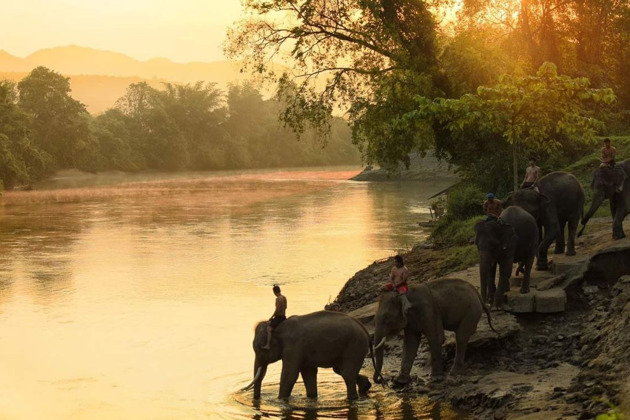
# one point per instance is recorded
(307, 342)
(513, 238)
(603, 186)
(446, 304)
(558, 202)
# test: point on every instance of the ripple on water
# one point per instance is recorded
(381, 403)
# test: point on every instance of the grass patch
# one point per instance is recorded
(449, 232)
(459, 258)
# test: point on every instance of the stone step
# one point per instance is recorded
(540, 301)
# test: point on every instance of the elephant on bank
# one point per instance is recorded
(559, 202)
(447, 304)
(511, 239)
(604, 187)
(307, 342)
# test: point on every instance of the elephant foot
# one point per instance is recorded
(364, 384)
(571, 252)
(455, 370)
(402, 379)
(617, 236)
(542, 266)
(353, 397)
(558, 250)
(524, 290)
(436, 378)
(312, 396)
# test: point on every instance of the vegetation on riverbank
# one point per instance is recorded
(182, 127)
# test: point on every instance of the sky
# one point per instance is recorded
(181, 30)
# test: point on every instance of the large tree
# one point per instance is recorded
(545, 114)
(367, 57)
(59, 122)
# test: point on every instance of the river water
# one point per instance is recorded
(135, 297)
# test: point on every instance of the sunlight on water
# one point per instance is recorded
(140, 301)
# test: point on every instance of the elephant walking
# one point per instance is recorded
(305, 343)
(559, 202)
(604, 187)
(447, 304)
(513, 238)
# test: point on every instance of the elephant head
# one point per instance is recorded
(263, 356)
(389, 321)
(604, 185)
(535, 203)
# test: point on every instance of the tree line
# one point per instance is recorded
(486, 83)
(182, 127)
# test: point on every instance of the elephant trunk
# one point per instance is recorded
(259, 374)
(598, 199)
(379, 338)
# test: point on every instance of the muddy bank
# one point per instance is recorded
(563, 365)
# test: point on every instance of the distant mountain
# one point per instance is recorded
(74, 60)
(98, 78)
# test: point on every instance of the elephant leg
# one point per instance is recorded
(551, 232)
(364, 384)
(349, 375)
(526, 274)
(436, 339)
(505, 272)
(287, 379)
(410, 349)
(492, 288)
(465, 330)
(573, 225)
(620, 213)
(309, 376)
(559, 249)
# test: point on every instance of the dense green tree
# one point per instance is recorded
(59, 123)
(20, 161)
(541, 114)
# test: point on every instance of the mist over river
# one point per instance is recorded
(135, 296)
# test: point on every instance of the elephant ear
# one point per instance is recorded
(508, 236)
(544, 200)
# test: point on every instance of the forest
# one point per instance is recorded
(485, 83)
(181, 127)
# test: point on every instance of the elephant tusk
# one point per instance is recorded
(380, 344)
(255, 379)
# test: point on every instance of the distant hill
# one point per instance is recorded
(100, 77)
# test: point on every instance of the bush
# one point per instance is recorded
(464, 202)
(449, 232)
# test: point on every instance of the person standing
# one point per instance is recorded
(532, 174)
(492, 207)
(279, 314)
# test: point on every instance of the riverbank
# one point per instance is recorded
(561, 365)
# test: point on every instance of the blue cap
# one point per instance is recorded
(490, 195)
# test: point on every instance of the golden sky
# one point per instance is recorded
(181, 30)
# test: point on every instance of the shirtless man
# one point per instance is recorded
(608, 154)
(532, 173)
(398, 281)
(278, 316)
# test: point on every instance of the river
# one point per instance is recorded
(135, 296)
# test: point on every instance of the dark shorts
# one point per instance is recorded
(276, 320)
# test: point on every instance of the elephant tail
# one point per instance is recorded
(487, 311)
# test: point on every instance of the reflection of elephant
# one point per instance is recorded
(448, 304)
(511, 239)
(603, 186)
(560, 202)
(306, 342)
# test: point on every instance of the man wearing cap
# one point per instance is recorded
(492, 207)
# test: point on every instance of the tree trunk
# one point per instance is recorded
(515, 166)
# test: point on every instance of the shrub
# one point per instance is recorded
(464, 202)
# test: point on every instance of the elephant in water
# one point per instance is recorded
(447, 304)
(604, 187)
(307, 342)
(511, 239)
(558, 202)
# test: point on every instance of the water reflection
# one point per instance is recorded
(138, 300)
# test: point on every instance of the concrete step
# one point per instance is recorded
(540, 301)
